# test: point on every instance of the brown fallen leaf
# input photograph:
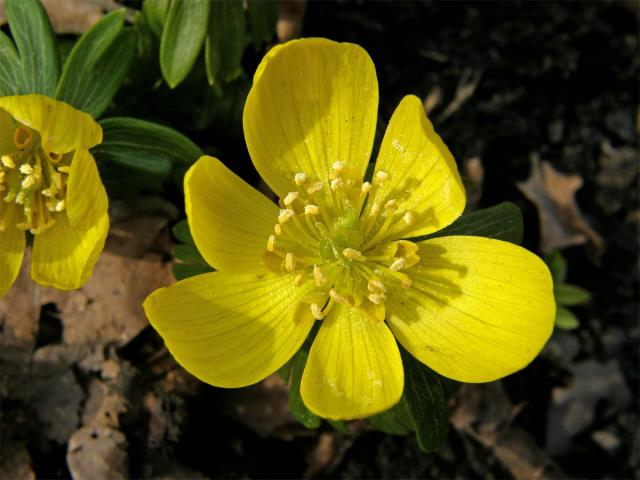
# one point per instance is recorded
(97, 452)
(467, 86)
(473, 171)
(72, 16)
(561, 222)
(290, 19)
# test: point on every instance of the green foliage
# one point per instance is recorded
(502, 222)
(39, 66)
(297, 406)
(97, 65)
(263, 15)
(566, 295)
(226, 40)
(10, 67)
(184, 32)
(187, 253)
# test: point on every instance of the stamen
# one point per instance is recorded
(408, 218)
(336, 183)
(7, 161)
(315, 188)
(290, 198)
(26, 169)
(298, 280)
(64, 169)
(271, 243)
(285, 215)
(319, 276)
(381, 176)
(336, 296)
(391, 205)
(300, 178)
(311, 209)
(29, 181)
(316, 311)
(277, 229)
(366, 186)
(397, 265)
(289, 262)
(377, 298)
(338, 166)
(376, 286)
(352, 254)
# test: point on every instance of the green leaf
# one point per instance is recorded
(565, 319)
(182, 38)
(395, 421)
(144, 146)
(97, 65)
(502, 222)
(339, 425)
(187, 254)
(36, 42)
(263, 15)
(10, 67)
(570, 294)
(155, 12)
(225, 40)
(186, 270)
(296, 405)
(182, 232)
(427, 395)
(557, 265)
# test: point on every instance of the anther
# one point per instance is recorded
(316, 311)
(352, 254)
(26, 169)
(397, 265)
(7, 161)
(289, 262)
(285, 215)
(366, 186)
(319, 276)
(300, 178)
(408, 218)
(376, 298)
(382, 176)
(391, 205)
(290, 198)
(336, 296)
(338, 166)
(311, 209)
(29, 181)
(336, 183)
(297, 281)
(277, 229)
(315, 188)
(60, 206)
(376, 286)
(271, 243)
(64, 169)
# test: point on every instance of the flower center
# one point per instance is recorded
(34, 179)
(338, 249)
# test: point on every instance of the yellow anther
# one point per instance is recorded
(391, 205)
(2, 176)
(300, 178)
(352, 254)
(20, 198)
(277, 229)
(397, 265)
(336, 296)
(290, 198)
(289, 262)
(29, 181)
(64, 169)
(377, 298)
(408, 218)
(297, 281)
(381, 176)
(316, 311)
(271, 243)
(336, 183)
(376, 286)
(315, 188)
(338, 166)
(406, 281)
(26, 169)
(311, 209)
(366, 186)
(7, 161)
(60, 206)
(50, 192)
(285, 215)
(319, 276)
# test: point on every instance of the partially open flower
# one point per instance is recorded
(51, 188)
(344, 250)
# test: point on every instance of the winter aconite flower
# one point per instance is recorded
(342, 250)
(50, 187)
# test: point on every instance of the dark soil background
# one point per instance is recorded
(559, 80)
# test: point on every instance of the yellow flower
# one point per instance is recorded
(338, 250)
(49, 186)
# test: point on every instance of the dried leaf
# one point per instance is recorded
(97, 452)
(561, 222)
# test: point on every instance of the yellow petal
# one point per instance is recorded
(62, 127)
(354, 368)
(423, 176)
(6, 133)
(478, 309)
(12, 244)
(230, 330)
(63, 257)
(86, 197)
(313, 102)
(229, 220)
